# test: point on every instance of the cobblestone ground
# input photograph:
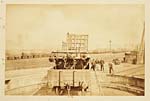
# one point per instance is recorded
(25, 69)
(107, 92)
(95, 88)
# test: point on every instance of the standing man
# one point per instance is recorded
(111, 70)
(102, 65)
(93, 65)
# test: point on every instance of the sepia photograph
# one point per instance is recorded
(75, 50)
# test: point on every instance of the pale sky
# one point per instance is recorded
(46, 26)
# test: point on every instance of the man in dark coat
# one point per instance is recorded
(111, 70)
(102, 65)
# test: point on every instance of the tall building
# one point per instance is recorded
(76, 43)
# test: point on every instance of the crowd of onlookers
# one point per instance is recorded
(84, 62)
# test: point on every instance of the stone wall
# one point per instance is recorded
(129, 84)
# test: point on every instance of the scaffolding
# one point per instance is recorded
(75, 43)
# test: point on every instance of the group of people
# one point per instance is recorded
(70, 62)
(99, 66)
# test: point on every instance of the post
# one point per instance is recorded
(73, 78)
(59, 78)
